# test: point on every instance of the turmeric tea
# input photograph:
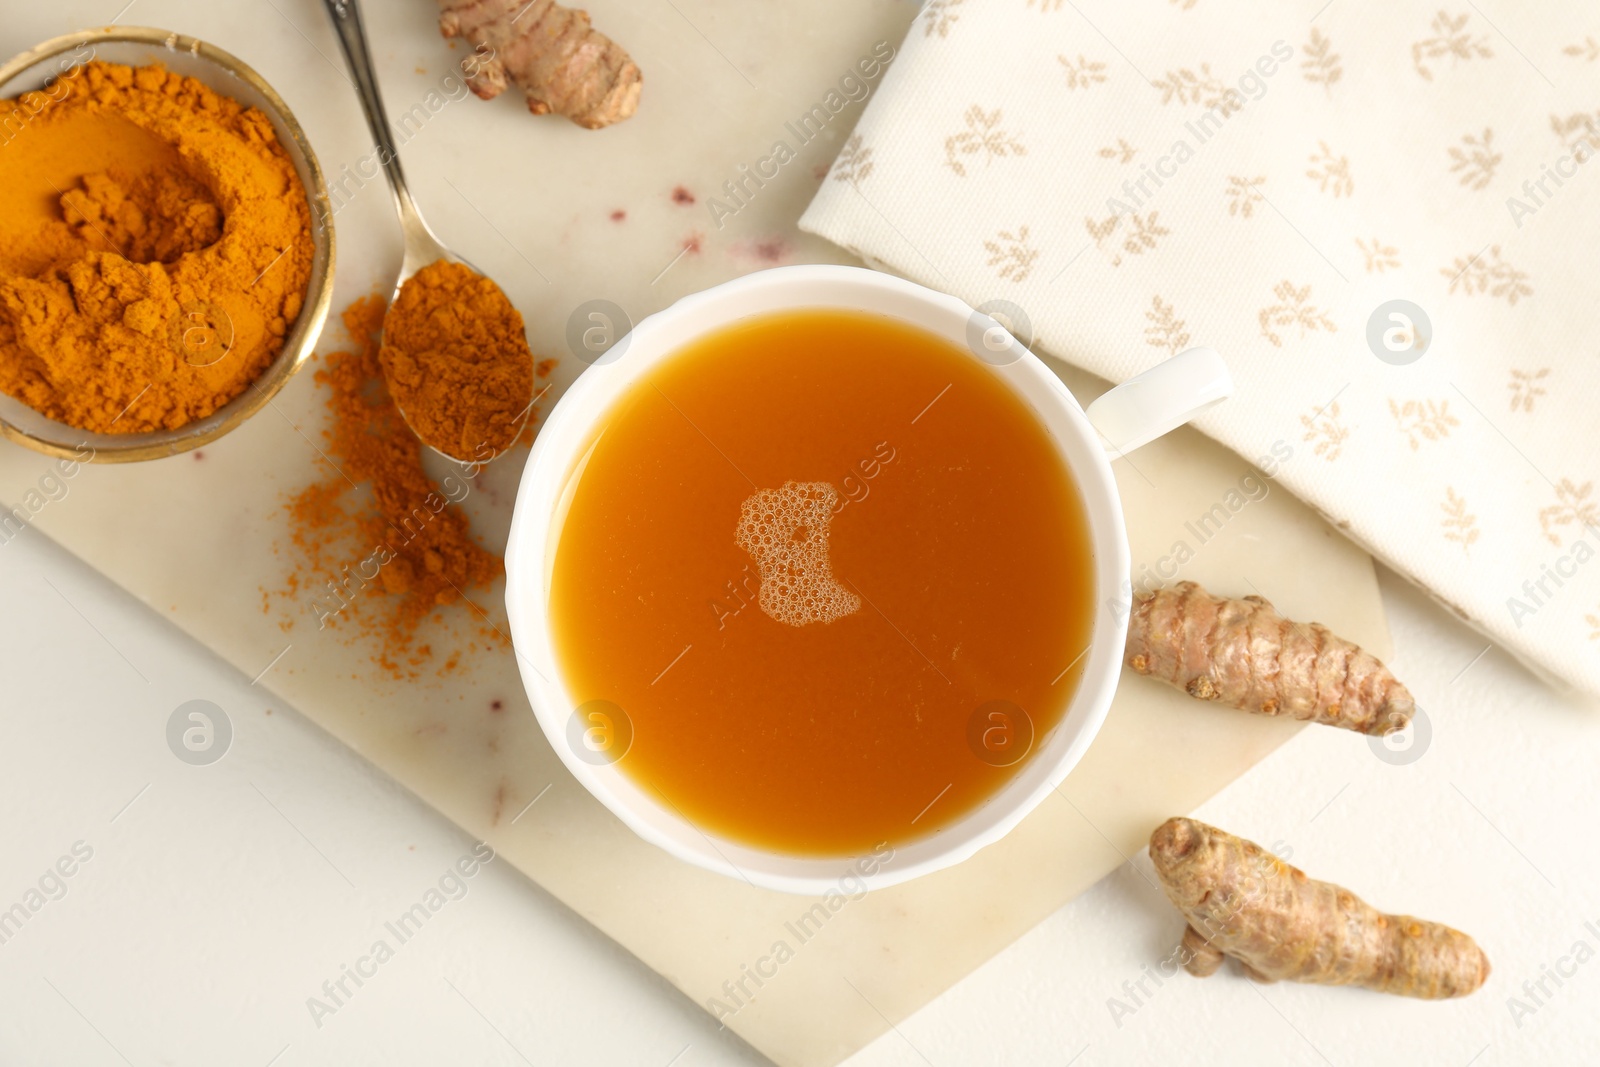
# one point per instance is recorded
(155, 248)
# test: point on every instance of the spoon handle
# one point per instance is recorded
(346, 16)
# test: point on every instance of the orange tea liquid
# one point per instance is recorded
(811, 557)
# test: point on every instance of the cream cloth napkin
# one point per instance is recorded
(1265, 178)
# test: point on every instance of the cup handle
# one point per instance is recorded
(1160, 400)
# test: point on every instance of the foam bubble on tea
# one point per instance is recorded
(786, 531)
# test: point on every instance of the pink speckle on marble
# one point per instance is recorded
(768, 251)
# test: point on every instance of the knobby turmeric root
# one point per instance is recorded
(551, 53)
(1243, 653)
(1246, 903)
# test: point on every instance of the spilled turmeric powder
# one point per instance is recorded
(411, 548)
(155, 248)
(381, 546)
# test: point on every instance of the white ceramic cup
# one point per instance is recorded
(1126, 417)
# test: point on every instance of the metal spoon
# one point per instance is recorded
(422, 246)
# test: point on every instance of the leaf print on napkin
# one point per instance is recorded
(1450, 39)
(938, 18)
(1588, 51)
(1243, 195)
(1292, 309)
(1048, 5)
(1083, 73)
(1186, 87)
(1122, 151)
(854, 163)
(1594, 620)
(1321, 65)
(1525, 388)
(1331, 172)
(1099, 231)
(1493, 276)
(1166, 330)
(1323, 427)
(1476, 159)
(1579, 128)
(1012, 254)
(1144, 232)
(1380, 257)
(1423, 420)
(983, 134)
(1458, 524)
(1141, 238)
(1573, 507)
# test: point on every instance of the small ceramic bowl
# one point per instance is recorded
(141, 46)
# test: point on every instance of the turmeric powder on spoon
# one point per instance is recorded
(457, 361)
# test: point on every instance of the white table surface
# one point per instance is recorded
(191, 934)
(200, 925)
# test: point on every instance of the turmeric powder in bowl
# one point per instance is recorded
(155, 247)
